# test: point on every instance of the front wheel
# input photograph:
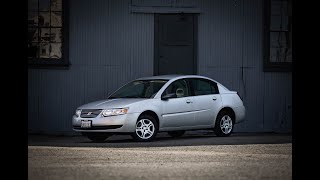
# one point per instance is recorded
(224, 124)
(146, 129)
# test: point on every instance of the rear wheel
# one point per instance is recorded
(224, 124)
(176, 133)
(146, 129)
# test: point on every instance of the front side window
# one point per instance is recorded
(178, 89)
(139, 89)
(47, 33)
(204, 87)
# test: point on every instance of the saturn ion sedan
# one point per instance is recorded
(167, 103)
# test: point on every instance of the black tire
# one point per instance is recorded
(176, 133)
(221, 129)
(142, 130)
(97, 137)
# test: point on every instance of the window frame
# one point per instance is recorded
(211, 83)
(53, 63)
(269, 66)
(188, 87)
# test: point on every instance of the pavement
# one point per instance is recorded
(192, 156)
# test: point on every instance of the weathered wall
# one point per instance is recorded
(231, 51)
(109, 45)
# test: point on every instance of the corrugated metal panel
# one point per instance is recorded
(108, 47)
(220, 34)
(50, 101)
(33, 99)
(164, 3)
(230, 37)
(278, 102)
(252, 84)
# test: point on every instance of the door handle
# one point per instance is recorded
(188, 101)
(214, 98)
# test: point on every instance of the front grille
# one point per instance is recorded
(98, 127)
(90, 113)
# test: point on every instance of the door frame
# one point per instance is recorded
(156, 42)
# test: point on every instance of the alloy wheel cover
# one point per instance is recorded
(226, 124)
(145, 128)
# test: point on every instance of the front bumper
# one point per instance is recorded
(118, 124)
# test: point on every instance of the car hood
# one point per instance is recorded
(111, 103)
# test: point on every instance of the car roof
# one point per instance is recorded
(171, 76)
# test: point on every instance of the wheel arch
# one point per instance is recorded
(151, 113)
(229, 110)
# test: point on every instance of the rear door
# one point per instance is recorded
(207, 101)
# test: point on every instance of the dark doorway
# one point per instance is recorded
(175, 44)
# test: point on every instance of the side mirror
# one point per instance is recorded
(168, 96)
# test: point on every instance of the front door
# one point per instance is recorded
(177, 111)
(175, 40)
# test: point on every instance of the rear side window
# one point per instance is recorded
(204, 87)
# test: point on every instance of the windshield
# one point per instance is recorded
(139, 89)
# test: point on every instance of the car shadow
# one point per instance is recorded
(162, 140)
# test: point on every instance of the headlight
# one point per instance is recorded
(78, 112)
(114, 112)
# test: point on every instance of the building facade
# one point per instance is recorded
(87, 49)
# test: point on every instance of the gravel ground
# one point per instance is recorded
(261, 156)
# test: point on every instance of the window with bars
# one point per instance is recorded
(47, 34)
(278, 35)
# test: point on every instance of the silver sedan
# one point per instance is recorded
(167, 103)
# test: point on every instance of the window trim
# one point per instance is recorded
(63, 62)
(267, 65)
